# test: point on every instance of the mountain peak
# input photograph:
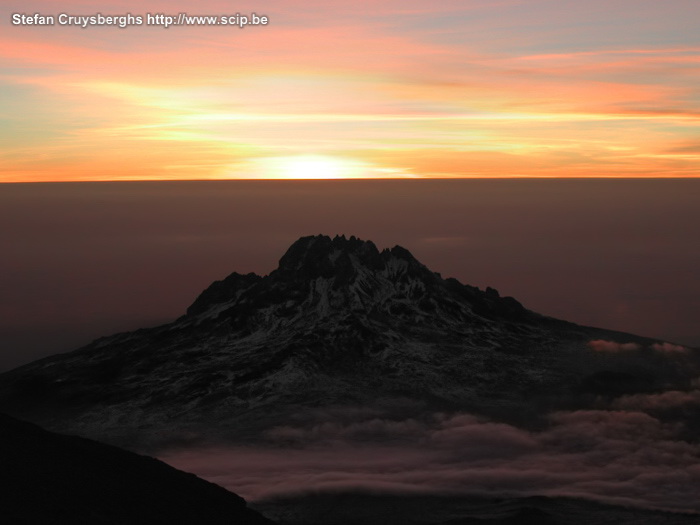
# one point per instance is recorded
(341, 261)
(360, 276)
(322, 276)
(338, 323)
(320, 256)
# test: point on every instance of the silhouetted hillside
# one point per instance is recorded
(49, 478)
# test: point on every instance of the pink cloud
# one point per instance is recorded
(600, 345)
(669, 348)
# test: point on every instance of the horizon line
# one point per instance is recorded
(346, 179)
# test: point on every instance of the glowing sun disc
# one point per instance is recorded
(310, 167)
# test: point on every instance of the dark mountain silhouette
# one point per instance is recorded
(338, 323)
(51, 478)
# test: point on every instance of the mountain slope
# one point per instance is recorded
(53, 478)
(337, 324)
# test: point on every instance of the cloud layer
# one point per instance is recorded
(618, 457)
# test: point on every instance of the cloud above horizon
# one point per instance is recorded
(460, 89)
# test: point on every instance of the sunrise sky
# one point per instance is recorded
(407, 88)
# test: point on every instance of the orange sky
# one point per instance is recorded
(511, 88)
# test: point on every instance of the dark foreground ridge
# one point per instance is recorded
(58, 479)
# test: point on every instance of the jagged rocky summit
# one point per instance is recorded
(342, 277)
(338, 324)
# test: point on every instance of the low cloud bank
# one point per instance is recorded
(618, 457)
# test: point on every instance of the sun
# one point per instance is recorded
(309, 167)
(317, 167)
(306, 166)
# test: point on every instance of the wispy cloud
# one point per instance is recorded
(400, 78)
